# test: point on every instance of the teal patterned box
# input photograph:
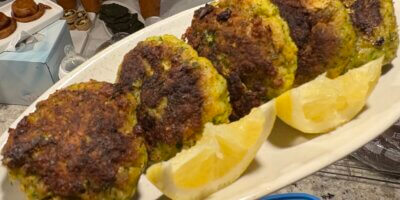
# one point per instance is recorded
(26, 74)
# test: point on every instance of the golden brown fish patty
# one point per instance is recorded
(250, 46)
(178, 93)
(78, 144)
(323, 33)
(376, 27)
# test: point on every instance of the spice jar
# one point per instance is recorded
(67, 4)
(91, 5)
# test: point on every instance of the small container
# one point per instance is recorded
(70, 61)
(290, 196)
(81, 14)
(91, 5)
(70, 15)
(67, 4)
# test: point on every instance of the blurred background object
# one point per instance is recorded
(31, 70)
(67, 4)
(149, 8)
(3, 2)
(382, 153)
(171, 7)
(149, 12)
(70, 61)
(91, 5)
(120, 17)
(152, 20)
(115, 38)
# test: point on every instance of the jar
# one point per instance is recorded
(71, 61)
(67, 4)
(149, 8)
(91, 5)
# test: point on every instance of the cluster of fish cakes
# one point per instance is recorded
(250, 45)
(323, 33)
(264, 47)
(93, 140)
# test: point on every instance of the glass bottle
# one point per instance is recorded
(70, 61)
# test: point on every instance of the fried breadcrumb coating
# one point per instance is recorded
(178, 92)
(78, 144)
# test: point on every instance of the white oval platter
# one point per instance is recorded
(284, 158)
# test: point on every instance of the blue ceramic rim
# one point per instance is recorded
(288, 196)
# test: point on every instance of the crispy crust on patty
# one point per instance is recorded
(76, 141)
(167, 80)
(366, 15)
(175, 92)
(243, 50)
(247, 78)
(376, 26)
(319, 33)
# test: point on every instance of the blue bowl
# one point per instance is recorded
(290, 196)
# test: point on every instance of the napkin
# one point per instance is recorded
(22, 40)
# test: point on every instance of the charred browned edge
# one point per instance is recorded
(56, 147)
(181, 119)
(314, 36)
(366, 15)
(249, 64)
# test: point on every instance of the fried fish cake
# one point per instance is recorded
(78, 144)
(178, 92)
(376, 28)
(250, 45)
(324, 35)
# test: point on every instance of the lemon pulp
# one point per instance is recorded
(324, 104)
(219, 157)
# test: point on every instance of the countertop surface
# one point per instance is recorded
(333, 182)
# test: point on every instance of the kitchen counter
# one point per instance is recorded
(329, 187)
(326, 184)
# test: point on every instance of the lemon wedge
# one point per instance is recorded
(218, 158)
(323, 104)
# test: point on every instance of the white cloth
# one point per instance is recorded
(23, 39)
